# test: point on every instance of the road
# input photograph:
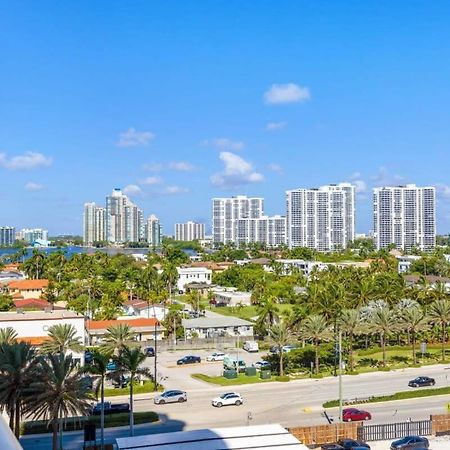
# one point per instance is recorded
(291, 404)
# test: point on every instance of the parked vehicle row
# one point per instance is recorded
(176, 396)
(406, 443)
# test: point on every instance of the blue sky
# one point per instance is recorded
(180, 101)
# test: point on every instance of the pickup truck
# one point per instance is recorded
(111, 408)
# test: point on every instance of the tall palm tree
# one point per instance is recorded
(268, 311)
(316, 329)
(58, 392)
(130, 361)
(17, 370)
(98, 368)
(280, 335)
(439, 314)
(383, 322)
(8, 335)
(349, 323)
(117, 338)
(414, 320)
(62, 338)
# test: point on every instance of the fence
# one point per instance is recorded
(385, 431)
(219, 343)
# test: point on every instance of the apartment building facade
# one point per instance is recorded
(189, 231)
(7, 236)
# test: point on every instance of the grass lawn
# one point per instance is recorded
(221, 381)
(404, 395)
(77, 423)
(245, 312)
(147, 387)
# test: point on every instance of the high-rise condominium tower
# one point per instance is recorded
(153, 231)
(189, 231)
(7, 236)
(404, 216)
(321, 218)
(93, 224)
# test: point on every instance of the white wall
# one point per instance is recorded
(192, 275)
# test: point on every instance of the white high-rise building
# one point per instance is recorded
(189, 231)
(321, 218)
(123, 219)
(153, 231)
(93, 224)
(7, 236)
(227, 211)
(31, 235)
(405, 216)
(268, 230)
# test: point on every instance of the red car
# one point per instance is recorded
(353, 414)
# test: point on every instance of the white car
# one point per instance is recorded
(216, 356)
(230, 398)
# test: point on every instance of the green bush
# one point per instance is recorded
(282, 378)
(384, 369)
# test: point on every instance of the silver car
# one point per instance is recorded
(170, 397)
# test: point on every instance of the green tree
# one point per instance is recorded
(8, 335)
(117, 338)
(316, 329)
(383, 322)
(279, 336)
(62, 338)
(6, 302)
(58, 392)
(349, 323)
(439, 314)
(130, 361)
(414, 320)
(17, 370)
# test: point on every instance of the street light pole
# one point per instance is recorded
(340, 376)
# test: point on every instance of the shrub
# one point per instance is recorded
(282, 378)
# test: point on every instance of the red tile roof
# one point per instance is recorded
(31, 303)
(28, 284)
(33, 340)
(133, 323)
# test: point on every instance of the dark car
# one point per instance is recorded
(353, 414)
(189, 360)
(331, 447)
(410, 443)
(352, 444)
(88, 357)
(149, 351)
(422, 381)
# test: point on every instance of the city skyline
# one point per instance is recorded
(222, 108)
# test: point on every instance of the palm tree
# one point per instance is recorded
(130, 361)
(34, 266)
(268, 311)
(439, 314)
(117, 338)
(384, 322)
(415, 320)
(98, 368)
(62, 338)
(8, 335)
(349, 323)
(17, 370)
(316, 329)
(58, 392)
(280, 335)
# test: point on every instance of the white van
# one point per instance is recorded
(251, 346)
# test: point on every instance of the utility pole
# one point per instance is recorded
(340, 376)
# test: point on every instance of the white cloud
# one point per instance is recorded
(134, 138)
(360, 186)
(29, 160)
(443, 191)
(355, 175)
(286, 93)
(224, 144)
(384, 178)
(175, 190)
(132, 189)
(275, 168)
(153, 167)
(237, 172)
(273, 126)
(150, 181)
(33, 187)
(181, 166)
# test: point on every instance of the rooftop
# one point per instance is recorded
(133, 323)
(38, 315)
(28, 284)
(215, 322)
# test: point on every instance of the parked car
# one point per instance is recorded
(352, 444)
(88, 357)
(172, 396)
(263, 365)
(111, 408)
(216, 356)
(288, 348)
(149, 351)
(190, 359)
(331, 447)
(230, 398)
(353, 414)
(422, 381)
(112, 365)
(410, 443)
(233, 364)
(251, 346)
(120, 381)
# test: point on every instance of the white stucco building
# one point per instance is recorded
(189, 231)
(187, 275)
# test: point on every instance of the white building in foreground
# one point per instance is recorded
(405, 216)
(187, 275)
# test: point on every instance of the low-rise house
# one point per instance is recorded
(188, 275)
(217, 326)
(232, 298)
(27, 288)
(141, 308)
(431, 281)
(405, 261)
(35, 304)
(213, 265)
(144, 329)
(33, 326)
